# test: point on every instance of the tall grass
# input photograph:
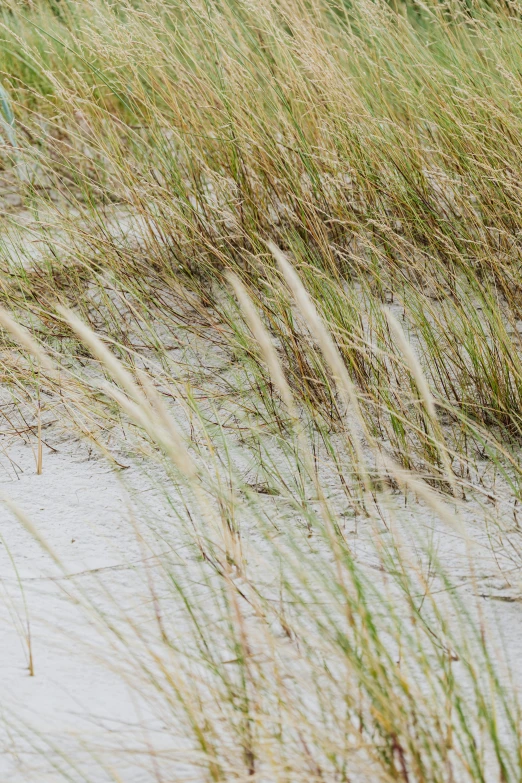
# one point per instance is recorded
(326, 195)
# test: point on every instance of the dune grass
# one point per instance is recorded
(326, 194)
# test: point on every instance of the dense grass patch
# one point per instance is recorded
(328, 194)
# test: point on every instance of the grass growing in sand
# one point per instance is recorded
(323, 197)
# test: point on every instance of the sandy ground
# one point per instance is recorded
(80, 717)
(77, 712)
(78, 506)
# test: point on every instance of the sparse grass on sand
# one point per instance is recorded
(325, 199)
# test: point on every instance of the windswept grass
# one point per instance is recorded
(327, 195)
